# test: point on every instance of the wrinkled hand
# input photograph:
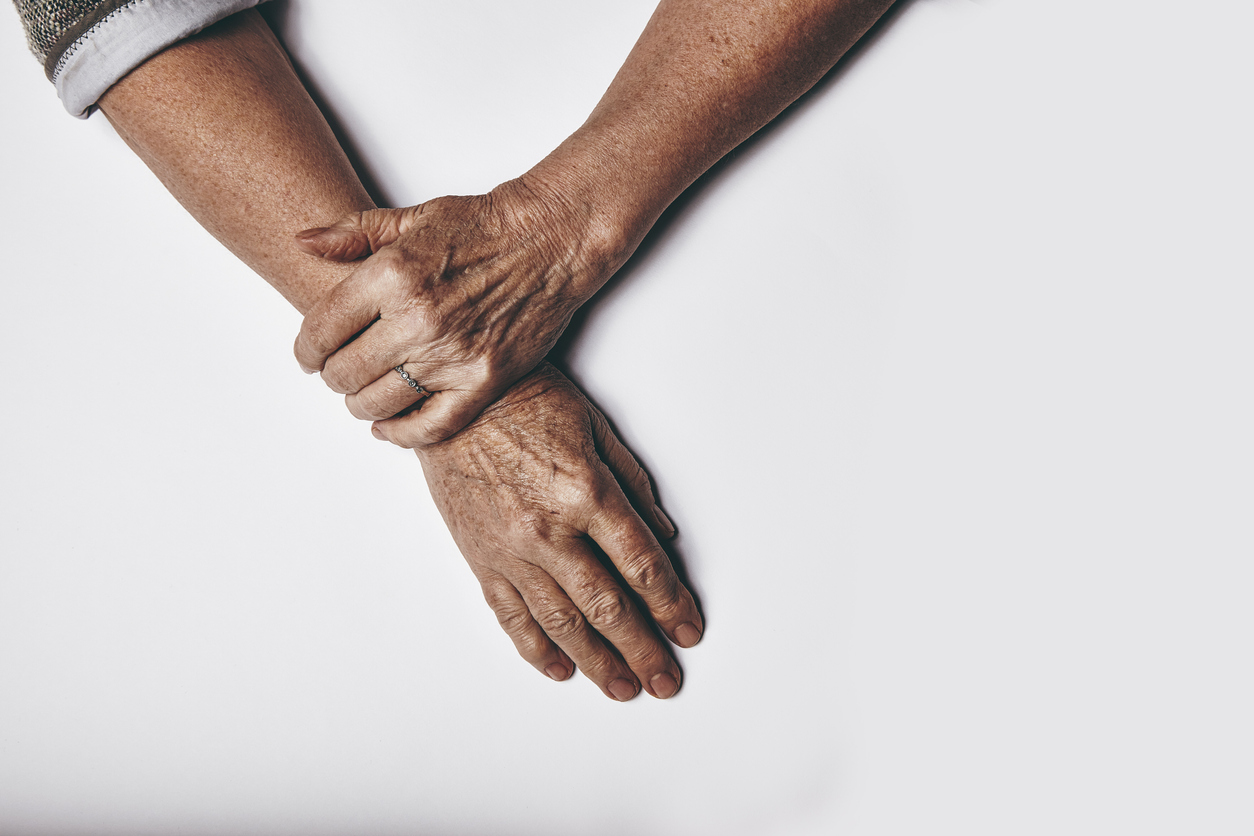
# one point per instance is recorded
(468, 294)
(532, 491)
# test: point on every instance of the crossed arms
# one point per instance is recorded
(468, 295)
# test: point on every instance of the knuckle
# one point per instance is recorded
(610, 610)
(311, 344)
(363, 222)
(650, 572)
(484, 371)
(337, 307)
(498, 596)
(513, 618)
(584, 488)
(643, 652)
(562, 622)
(387, 275)
(322, 330)
(335, 374)
(388, 264)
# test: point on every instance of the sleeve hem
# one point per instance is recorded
(125, 38)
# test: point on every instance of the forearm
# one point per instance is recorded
(224, 122)
(704, 75)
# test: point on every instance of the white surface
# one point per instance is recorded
(945, 379)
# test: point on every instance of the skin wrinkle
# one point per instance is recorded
(527, 461)
(494, 306)
(703, 76)
(521, 280)
(179, 107)
(546, 455)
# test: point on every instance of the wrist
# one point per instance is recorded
(605, 214)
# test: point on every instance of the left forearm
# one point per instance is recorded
(225, 123)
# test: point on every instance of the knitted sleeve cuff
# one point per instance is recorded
(124, 38)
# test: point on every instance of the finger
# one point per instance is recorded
(645, 567)
(563, 622)
(441, 416)
(630, 475)
(336, 318)
(357, 234)
(373, 355)
(386, 397)
(529, 639)
(610, 611)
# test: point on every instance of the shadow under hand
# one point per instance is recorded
(672, 221)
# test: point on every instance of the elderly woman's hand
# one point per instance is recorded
(467, 294)
(535, 491)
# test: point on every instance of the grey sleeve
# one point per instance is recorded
(87, 45)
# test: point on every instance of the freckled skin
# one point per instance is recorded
(527, 490)
(223, 121)
(536, 489)
(704, 75)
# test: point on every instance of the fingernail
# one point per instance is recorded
(667, 526)
(305, 235)
(556, 672)
(622, 690)
(308, 371)
(664, 685)
(686, 635)
(378, 433)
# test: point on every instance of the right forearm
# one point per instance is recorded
(704, 75)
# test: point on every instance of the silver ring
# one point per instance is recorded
(413, 384)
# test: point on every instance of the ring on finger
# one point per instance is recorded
(413, 384)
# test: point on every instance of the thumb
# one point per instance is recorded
(357, 234)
